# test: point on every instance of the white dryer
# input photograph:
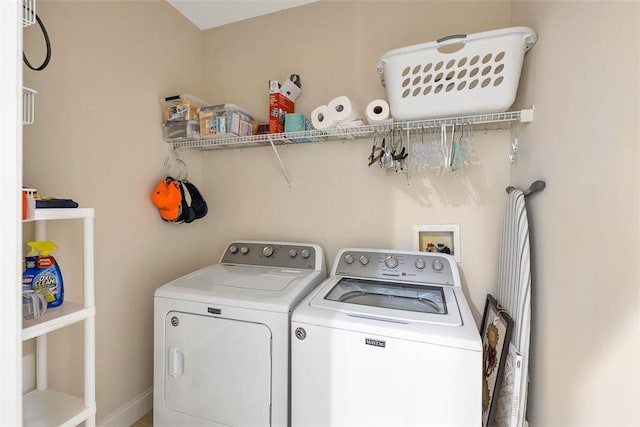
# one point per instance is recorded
(221, 336)
(387, 340)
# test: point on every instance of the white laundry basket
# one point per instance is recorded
(456, 75)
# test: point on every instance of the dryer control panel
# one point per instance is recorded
(421, 267)
(272, 254)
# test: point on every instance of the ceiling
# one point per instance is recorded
(207, 14)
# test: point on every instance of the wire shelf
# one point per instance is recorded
(28, 105)
(28, 12)
(356, 132)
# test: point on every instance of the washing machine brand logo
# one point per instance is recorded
(214, 310)
(375, 343)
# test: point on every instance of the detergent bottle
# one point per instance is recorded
(30, 269)
(46, 276)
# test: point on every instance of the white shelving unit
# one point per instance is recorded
(45, 406)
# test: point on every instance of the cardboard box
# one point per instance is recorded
(179, 108)
(225, 119)
(279, 105)
(208, 125)
(281, 102)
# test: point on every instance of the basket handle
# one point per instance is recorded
(452, 36)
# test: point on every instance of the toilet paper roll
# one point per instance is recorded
(321, 118)
(343, 110)
(378, 111)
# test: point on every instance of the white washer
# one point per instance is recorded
(221, 336)
(387, 340)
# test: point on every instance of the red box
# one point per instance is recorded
(279, 105)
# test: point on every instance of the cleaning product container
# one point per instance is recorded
(45, 276)
(456, 75)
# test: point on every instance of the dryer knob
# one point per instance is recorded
(305, 253)
(293, 252)
(244, 250)
(420, 264)
(364, 260)
(348, 258)
(438, 265)
(233, 249)
(391, 261)
(267, 251)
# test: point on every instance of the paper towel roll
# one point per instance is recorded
(321, 118)
(343, 110)
(378, 111)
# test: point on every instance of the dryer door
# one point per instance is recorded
(218, 369)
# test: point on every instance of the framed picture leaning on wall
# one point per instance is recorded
(497, 327)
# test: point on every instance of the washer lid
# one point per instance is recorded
(391, 301)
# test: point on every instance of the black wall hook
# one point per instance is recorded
(535, 187)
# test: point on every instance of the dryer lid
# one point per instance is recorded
(274, 289)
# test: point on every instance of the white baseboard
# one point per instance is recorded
(130, 412)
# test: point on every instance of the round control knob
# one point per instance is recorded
(391, 261)
(305, 253)
(244, 250)
(364, 260)
(267, 251)
(438, 265)
(420, 264)
(348, 258)
(293, 252)
(233, 249)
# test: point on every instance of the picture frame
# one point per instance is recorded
(447, 235)
(496, 331)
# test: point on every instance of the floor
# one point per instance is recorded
(145, 421)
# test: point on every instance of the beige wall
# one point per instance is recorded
(583, 77)
(336, 200)
(97, 139)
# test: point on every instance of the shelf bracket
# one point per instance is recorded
(515, 143)
(284, 169)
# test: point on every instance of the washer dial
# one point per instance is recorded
(267, 251)
(438, 265)
(293, 252)
(391, 261)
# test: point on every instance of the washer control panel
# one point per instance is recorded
(270, 254)
(420, 267)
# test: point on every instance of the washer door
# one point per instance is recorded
(218, 369)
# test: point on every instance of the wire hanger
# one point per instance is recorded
(175, 167)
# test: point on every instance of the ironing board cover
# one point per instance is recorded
(514, 294)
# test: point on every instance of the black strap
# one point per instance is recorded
(48, 43)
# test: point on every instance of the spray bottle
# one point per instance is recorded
(46, 275)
